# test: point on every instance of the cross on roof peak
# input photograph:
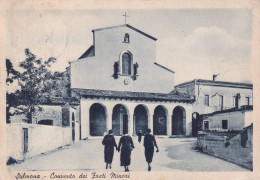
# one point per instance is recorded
(125, 16)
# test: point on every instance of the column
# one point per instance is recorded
(134, 130)
(109, 121)
(130, 124)
(84, 119)
(169, 125)
(150, 123)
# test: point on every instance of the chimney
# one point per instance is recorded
(237, 101)
(215, 76)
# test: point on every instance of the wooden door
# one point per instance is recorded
(25, 140)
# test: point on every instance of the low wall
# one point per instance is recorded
(231, 150)
(41, 138)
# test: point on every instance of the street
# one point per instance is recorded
(176, 154)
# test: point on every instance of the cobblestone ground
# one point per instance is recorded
(176, 154)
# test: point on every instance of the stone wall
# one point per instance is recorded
(237, 150)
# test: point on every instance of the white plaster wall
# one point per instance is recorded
(214, 92)
(249, 116)
(96, 72)
(41, 138)
(77, 131)
(236, 120)
(130, 105)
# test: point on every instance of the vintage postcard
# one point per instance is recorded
(129, 90)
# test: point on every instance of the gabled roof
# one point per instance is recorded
(126, 25)
(135, 95)
(217, 83)
(167, 69)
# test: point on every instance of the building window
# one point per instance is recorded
(126, 63)
(221, 99)
(247, 100)
(234, 101)
(224, 124)
(126, 38)
(206, 100)
(161, 120)
(205, 125)
(237, 100)
(73, 117)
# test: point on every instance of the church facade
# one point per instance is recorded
(122, 87)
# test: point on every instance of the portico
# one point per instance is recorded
(129, 115)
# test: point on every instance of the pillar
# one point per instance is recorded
(150, 123)
(109, 121)
(131, 124)
(134, 130)
(84, 119)
(169, 125)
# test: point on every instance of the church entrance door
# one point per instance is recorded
(119, 120)
(140, 119)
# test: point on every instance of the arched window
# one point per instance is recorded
(126, 64)
(126, 38)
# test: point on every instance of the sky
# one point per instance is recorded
(195, 43)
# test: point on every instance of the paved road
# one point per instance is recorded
(176, 154)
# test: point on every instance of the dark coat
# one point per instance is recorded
(109, 143)
(149, 143)
(127, 146)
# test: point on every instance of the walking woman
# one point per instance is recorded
(109, 143)
(149, 143)
(127, 146)
(139, 136)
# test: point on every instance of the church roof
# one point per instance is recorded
(88, 53)
(53, 101)
(167, 69)
(135, 95)
(129, 26)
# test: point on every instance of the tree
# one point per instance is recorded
(34, 84)
(11, 98)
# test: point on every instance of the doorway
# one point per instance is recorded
(25, 141)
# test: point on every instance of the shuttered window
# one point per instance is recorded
(206, 100)
(126, 64)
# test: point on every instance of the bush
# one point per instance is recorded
(11, 161)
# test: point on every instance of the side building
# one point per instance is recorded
(217, 96)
